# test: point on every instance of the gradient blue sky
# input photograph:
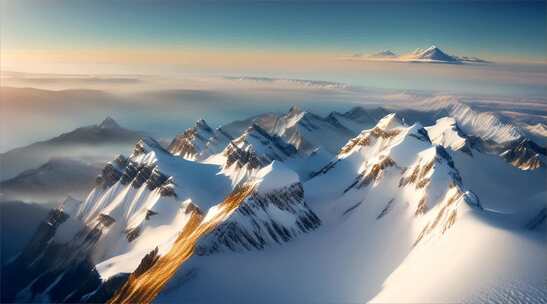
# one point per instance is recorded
(499, 30)
(282, 39)
(183, 45)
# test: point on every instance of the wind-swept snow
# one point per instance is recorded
(275, 176)
(485, 125)
(388, 191)
(447, 134)
(297, 208)
(460, 268)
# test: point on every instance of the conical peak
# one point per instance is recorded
(390, 121)
(109, 123)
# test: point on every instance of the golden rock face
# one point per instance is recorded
(144, 285)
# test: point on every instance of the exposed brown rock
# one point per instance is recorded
(422, 207)
(147, 281)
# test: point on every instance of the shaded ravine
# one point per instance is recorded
(146, 282)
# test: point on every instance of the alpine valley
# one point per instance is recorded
(438, 203)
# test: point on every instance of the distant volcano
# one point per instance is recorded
(384, 54)
(433, 54)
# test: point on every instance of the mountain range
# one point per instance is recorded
(433, 54)
(93, 143)
(296, 207)
(52, 181)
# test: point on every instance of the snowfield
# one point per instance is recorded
(355, 207)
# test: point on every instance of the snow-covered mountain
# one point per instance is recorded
(446, 133)
(306, 131)
(92, 143)
(275, 213)
(303, 140)
(388, 195)
(251, 151)
(199, 142)
(51, 182)
(432, 54)
(139, 205)
(294, 208)
(525, 154)
(484, 131)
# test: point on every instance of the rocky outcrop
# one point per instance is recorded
(199, 142)
(150, 277)
(525, 154)
(256, 148)
(257, 222)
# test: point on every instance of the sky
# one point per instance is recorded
(193, 34)
(183, 51)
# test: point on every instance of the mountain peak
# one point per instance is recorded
(383, 54)
(435, 53)
(432, 54)
(202, 124)
(390, 121)
(295, 110)
(109, 123)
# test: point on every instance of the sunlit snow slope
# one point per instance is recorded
(353, 207)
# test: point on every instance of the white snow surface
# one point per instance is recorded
(368, 235)
(403, 218)
(446, 133)
(485, 125)
(511, 268)
(275, 176)
(157, 218)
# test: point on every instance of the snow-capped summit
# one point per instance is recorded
(253, 150)
(485, 132)
(432, 54)
(388, 133)
(168, 225)
(308, 132)
(525, 154)
(435, 54)
(486, 125)
(274, 213)
(389, 151)
(390, 121)
(199, 142)
(446, 133)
